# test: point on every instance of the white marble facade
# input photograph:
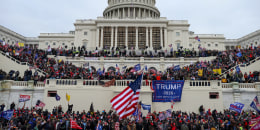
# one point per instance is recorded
(131, 24)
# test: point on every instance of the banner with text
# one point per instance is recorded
(166, 91)
(238, 107)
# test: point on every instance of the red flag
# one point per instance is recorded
(256, 127)
(74, 125)
(125, 103)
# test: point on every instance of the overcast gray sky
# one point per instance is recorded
(233, 18)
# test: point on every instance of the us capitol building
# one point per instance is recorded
(131, 25)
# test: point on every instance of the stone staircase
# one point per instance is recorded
(8, 63)
(249, 67)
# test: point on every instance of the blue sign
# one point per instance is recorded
(146, 107)
(166, 91)
(7, 114)
(238, 107)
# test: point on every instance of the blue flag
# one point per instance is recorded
(237, 69)
(146, 107)
(145, 67)
(239, 54)
(7, 114)
(57, 97)
(238, 107)
(137, 67)
(177, 67)
(254, 106)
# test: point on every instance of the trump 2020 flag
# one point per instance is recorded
(7, 114)
(238, 107)
(24, 98)
(125, 103)
(57, 97)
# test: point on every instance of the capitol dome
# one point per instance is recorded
(131, 9)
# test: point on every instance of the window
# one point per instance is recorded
(190, 45)
(72, 44)
(46, 43)
(213, 95)
(63, 44)
(52, 93)
(54, 43)
(85, 33)
(178, 34)
(208, 45)
(216, 45)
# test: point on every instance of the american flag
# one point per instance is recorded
(125, 103)
(40, 104)
(197, 38)
(117, 67)
(256, 101)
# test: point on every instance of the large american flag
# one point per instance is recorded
(125, 103)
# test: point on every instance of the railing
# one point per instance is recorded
(247, 85)
(20, 83)
(240, 85)
(40, 85)
(66, 82)
(117, 82)
(227, 85)
(21, 63)
(26, 84)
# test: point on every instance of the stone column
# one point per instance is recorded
(123, 12)
(139, 13)
(165, 37)
(161, 36)
(118, 13)
(134, 14)
(116, 37)
(147, 37)
(97, 38)
(112, 37)
(136, 38)
(128, 13)
(101, 44)
(126, 37)
(151, 38)
(236, 92)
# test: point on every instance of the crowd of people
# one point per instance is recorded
(57, 119)
(201, 70)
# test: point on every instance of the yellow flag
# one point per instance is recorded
(215, 71)
(60, 60)
(21, 44)
(68, 97)
(200, 72)
(219, 71)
